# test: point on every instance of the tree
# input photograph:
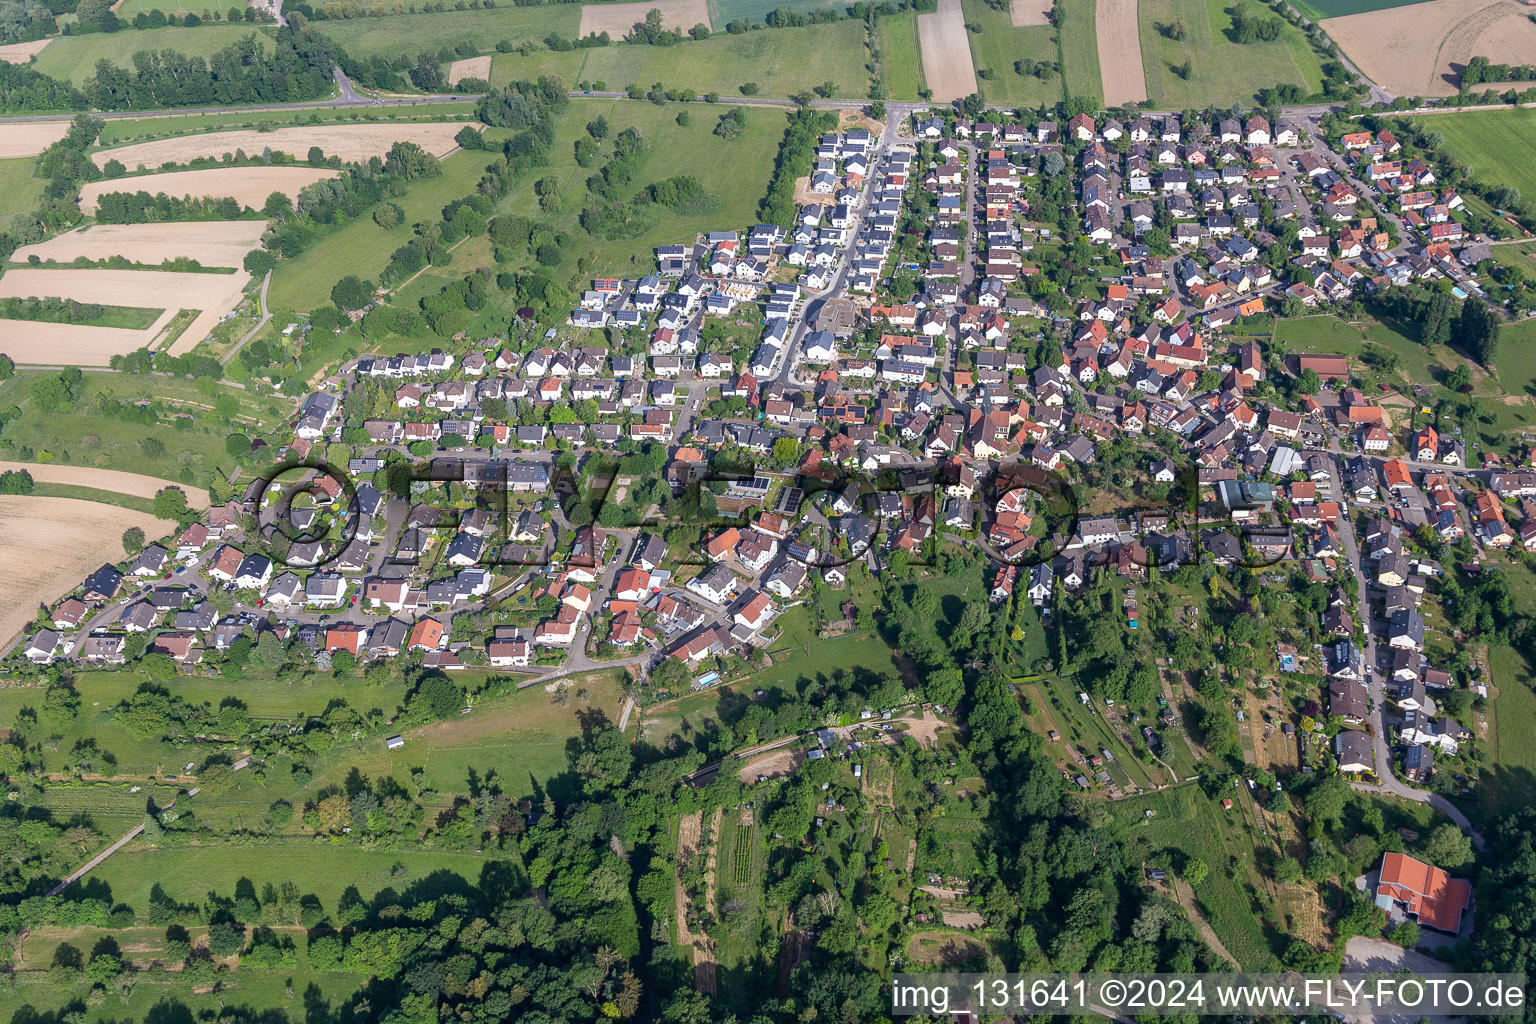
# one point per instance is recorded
(548, 191)
(786, 450)
(171, 503)
(133, 540)
(1460, 379)
(1448, 847)
(351, 292)
(1308, 383)
(1196, 871)
(1477, 331)
(749, 88)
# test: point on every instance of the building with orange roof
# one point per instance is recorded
(1395, 473)
(346, 637)
(1424, 892)
(426, 635)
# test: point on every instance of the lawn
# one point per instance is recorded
(74, 57)
(1222, 71)
(780, 61)
(1079, 46)
(998, 45)
(722, 12)
(1187, 821)
(901, 67)
(19, 189)
(131, 7)
(482, 30)
(136, 129)
(1499, 144)
(1510, 780)
(512, 67)
(83, 437)
(1320, 9)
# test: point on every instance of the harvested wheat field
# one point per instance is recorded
(249, 186)
(469, 67)
(50, 544)
(135, 484)
(1421, 53)
(213, 243)
(22, 53)
(26, 342)
(39, 344)
(30, 139)
(1023, 13)
(350, 142)
(946, 52)
(619, 20)
(1119, 37)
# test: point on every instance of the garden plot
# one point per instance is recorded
(213, 243)
(469, 67)
(350, 142)
(618, 20)
(30, 139)
(1119, 38)
(249, 186)
(27, 342)
(50, 544)
(1421, 53)
(946, 49)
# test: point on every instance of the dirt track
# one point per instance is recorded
(348, 141)
(946, 49)
(1120, 68)
(1413, 56)
(50, 544)
(249, 186)
(30, 139)
(213, 243)
(618, 20)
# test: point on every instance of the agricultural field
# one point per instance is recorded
(351, 142)
(1508, 782)
(781, 61)
(134, 484)
(249, 186)
(901, 67)
(22, 53)
(203, 8)
(1497, 145)
(619, 20)
(1079, 46)
(1124, 78)
(135, 129)
(1420, 53)
(946, 50)
(212, 243)
(211, 294)
(723, 12)
(49, 544)
(1317, 10)
(73, 58)
(83, 436)
(469, 67)
(22, 140)
(482, 30)
(998, 46)
(1222, 71)
(20, 189)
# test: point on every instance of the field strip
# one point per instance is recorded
(350, 142)
(1119, 38)
(136, 484)
(21, 53)
(1024, 13)
(469, 67)
(946, 50)
(27, 342)
(618, 20)
(213, 243)
(30, 139)
(50, 544)
(249, 186)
